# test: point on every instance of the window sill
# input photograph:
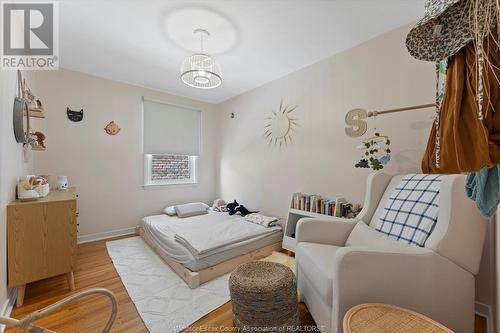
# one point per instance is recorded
(160, 186)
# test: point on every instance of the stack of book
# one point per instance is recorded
(316, 204)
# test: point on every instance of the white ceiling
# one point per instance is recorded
(129, 41)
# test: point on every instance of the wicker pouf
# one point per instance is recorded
(264, 297)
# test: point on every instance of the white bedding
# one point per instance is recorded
(205, 235)
(224, 236)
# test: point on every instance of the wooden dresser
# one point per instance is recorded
(41, 239)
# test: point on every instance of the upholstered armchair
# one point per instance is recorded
(343, 263)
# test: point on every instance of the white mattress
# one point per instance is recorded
(161, 229)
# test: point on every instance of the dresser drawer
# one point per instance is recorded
(41, 240)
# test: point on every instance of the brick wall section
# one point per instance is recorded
(170, 167)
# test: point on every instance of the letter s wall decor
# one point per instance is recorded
(356, 124)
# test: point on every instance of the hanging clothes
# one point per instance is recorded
(484, 188)
(465, 142)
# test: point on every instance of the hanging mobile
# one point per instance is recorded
(376, 150)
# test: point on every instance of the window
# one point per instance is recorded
(171, 143)
(170, 169)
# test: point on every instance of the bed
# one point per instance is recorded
(203, 247)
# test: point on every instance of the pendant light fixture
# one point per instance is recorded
(200, 70)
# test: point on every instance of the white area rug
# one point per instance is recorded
(281, 258)
(163, 300)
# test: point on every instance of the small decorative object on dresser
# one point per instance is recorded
(62, 183)
(43, 187)
(31, 187)
(41, 240)
(315, 206)
(264, 297)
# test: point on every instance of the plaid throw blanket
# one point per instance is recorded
(410, 214)
(263, 220)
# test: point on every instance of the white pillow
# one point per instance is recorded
(191, 209)
(170, 211)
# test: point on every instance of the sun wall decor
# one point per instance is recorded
(280, 126)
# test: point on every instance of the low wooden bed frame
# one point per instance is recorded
(194, 279)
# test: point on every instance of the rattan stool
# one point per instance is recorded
(264, 297)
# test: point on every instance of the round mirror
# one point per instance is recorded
(20, 122)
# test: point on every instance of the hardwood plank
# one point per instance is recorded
(95, 269)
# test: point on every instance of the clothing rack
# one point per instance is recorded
(356, 125)
(408, 108)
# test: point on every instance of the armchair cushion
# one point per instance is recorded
(411, 212)
(316, 262)
(365, 236)
(332, 231)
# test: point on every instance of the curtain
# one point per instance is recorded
(171, 129)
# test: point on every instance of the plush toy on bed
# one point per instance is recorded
(219, 206)
(231, 207)
(234, 207)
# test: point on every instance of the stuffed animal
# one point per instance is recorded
(243, 211)
(231, 207)
(353, 210)
(40, 137)
(234, 207)
(219, 205)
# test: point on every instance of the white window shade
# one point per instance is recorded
(171, 129)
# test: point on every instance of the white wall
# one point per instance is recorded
(378, 74)
(12, 166)
(485, 281)
(108, 170)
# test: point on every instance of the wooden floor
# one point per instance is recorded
(95, 269)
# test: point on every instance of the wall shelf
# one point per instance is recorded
(36, 113)
(38, 148)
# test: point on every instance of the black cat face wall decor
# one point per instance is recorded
(74, 115)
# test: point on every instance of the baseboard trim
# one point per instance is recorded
(105, 235)
(8, 306)
(485, 311)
